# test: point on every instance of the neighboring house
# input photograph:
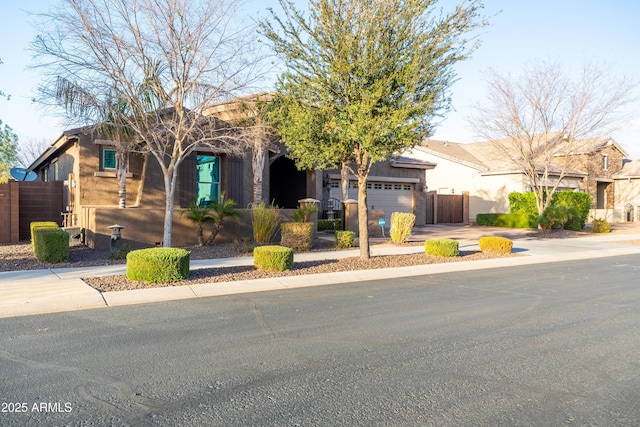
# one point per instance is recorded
(627, 194)
(479, 169)
(86, 162)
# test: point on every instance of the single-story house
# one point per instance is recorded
(599, 167)
(86, 162)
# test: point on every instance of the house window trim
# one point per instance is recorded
(110, 172)
(605, 162)
(103, 159)
(217, 183)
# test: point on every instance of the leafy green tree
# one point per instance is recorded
(8, 151)
(364, 79)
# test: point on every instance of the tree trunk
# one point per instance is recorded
(200, 234)
(121, 176)
(215, 229)
(344, 180)
(257, 163)
(169, 185)
(363, 219)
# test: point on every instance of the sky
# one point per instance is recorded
(521, 32)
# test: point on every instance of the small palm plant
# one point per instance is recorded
(304, 212)
(212, 215)
(221, 209)
(199, 215)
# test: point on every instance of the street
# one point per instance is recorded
(549, 345)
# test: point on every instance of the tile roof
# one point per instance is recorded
(485, 157)
(630, 169)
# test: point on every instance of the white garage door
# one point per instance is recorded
(387, 196)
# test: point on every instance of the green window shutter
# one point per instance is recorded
(108, 159)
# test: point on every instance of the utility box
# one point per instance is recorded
(75, 236)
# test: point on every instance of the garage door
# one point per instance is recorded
(387, 196)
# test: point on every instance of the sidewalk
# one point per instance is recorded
(57, 290)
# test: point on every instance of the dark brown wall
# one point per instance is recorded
(9, 212)
(39, 201)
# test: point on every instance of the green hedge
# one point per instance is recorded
(511, 220)
(273, 257)
(441, 247)
(50, 244)
(328, 225)
(496, 245)
(580, 201)
(526, 203)
(345, 239)
(40, 224)
(158, 265)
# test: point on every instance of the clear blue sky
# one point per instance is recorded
(522, 32)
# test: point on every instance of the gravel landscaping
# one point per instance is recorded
(230, 274)
(20, 257)
(14, 257)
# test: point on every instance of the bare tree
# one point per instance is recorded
(537, 122)
(165, 60)
(29, 149)
(246, 113)
(2, 94)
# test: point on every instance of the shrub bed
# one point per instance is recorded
(158, 265)
(496, 245)
(345, 239)
(273, 257)
(441, 247)
(50, 244)
(511, 220)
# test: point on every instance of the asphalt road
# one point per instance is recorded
(532, 345)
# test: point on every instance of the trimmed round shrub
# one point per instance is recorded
(496, 245)
(158, 265)
(345, 239)
(600, 226)
(273, 257)
(297, 235)
(51, 244)
(441, 247)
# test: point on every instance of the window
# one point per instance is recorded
(388, 186)
(605, 162)
(208, 179)
(397, 186)
(335, 184)
(108, 159)
(377, 186)
(407, 187)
